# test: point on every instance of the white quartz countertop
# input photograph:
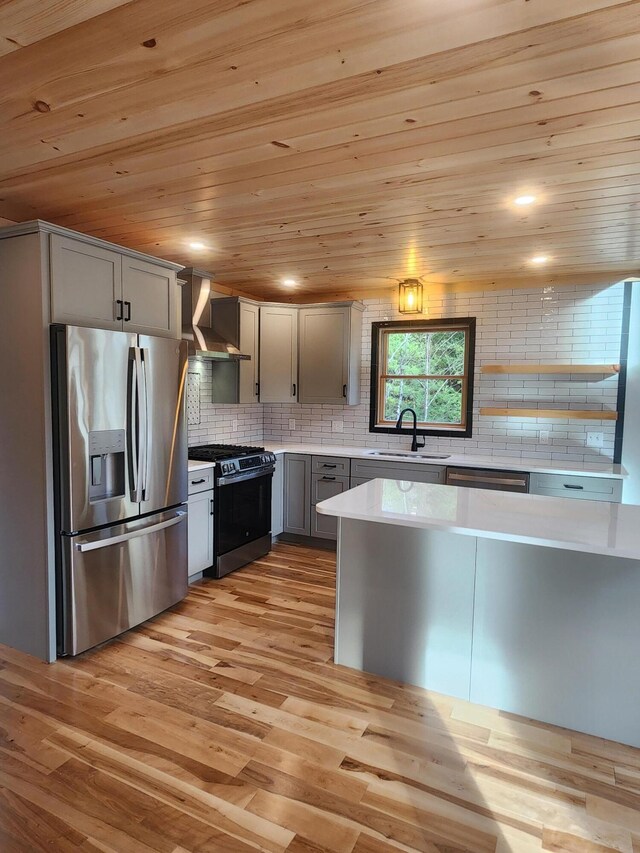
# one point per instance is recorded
(194, 465)
(587, 526)
(500, 463)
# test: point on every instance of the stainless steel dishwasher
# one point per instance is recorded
(483, 478)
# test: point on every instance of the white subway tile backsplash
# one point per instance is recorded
(535, 325)
(545, 324)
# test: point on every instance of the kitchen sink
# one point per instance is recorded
(408, 454)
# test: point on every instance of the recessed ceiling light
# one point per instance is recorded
(539, 259)
(195, 244)
(523, 200)
(289, 282)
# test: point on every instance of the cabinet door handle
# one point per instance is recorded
(119, 309)
(570, 486)
(197, 482)
(257, 389)
(294, 389)
(344, 390)
(127, 305)
(211, 504)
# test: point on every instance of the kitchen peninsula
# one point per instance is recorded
(522, 602)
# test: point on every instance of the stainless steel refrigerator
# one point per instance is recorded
(121, 480)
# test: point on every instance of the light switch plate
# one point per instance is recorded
(543, 436)
(595, 439)
(234, 425)
(292, 424)
(337, 426)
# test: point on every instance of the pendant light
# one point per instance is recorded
(410, 296)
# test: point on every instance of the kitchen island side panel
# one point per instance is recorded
(405, 604)
(556, 637)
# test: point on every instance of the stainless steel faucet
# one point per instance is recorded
(414, 440)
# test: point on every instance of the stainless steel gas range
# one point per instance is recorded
(241, 503)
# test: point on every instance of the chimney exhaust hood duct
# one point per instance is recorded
(197, 329)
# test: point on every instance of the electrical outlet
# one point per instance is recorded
(595, 439)
(337, 426)
(543, 436)
(234, 425)
(292, 424)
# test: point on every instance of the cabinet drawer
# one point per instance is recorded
(581, 488)
(325, 486)
(323, 526)
(200, 481)
(338, 465)
(369, 470)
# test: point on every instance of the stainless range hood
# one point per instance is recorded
(197, 330)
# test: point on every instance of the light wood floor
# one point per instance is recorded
(223, 726)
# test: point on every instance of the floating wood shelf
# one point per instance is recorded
(608, 369)
(573, 414)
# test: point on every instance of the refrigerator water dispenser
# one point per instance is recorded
(106, 464)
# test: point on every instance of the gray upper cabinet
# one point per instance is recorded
(237, 320)
(151, 297)
(278, 354)
(86, 284)
(248, 344)
(102, 288)
(330, 354)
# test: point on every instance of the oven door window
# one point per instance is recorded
(243, 512)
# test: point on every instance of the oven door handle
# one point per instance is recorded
(250, 475)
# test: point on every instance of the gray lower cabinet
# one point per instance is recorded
(200, 533)
(277, 497)
(297, 494)
(330, 354)
(365, 469)
(359, 481)
(324, 486)
(102, 288)
(578, 487)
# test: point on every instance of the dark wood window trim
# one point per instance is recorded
(377, 357)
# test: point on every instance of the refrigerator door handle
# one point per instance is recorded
(133, 444)
(138, 424)
(83, 547)
(143, 421)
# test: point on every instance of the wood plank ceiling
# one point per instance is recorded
(343, 143)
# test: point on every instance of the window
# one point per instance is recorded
(425, 365)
